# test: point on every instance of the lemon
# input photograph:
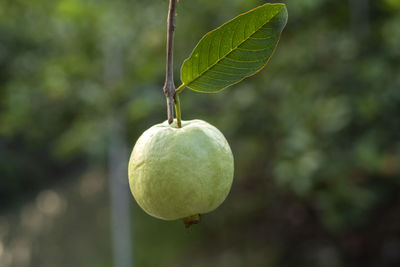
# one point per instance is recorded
(177, 173)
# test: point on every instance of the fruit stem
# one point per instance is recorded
(169, 86)
(178, 111)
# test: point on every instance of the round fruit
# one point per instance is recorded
(175, 172)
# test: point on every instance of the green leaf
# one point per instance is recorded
(236, 50)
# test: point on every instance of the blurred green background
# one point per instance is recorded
(315, 136)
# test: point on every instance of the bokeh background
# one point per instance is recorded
(315, 136)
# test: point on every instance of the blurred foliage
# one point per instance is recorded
(315, 135)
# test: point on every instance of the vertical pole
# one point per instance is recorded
(359, 17)
(119, 195)
(117, 160)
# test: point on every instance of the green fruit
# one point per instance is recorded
(175, 172)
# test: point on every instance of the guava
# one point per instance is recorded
(179, 173)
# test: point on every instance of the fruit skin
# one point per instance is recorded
(178, 172)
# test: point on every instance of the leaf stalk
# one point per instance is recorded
(180, 88)
(178, 111)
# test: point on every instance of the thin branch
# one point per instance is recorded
(169, 86)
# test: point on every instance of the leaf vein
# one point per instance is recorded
(226, 73)
(232, 67)
(260, 38)
(212, 78)
(252, 50)
(247, 61)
